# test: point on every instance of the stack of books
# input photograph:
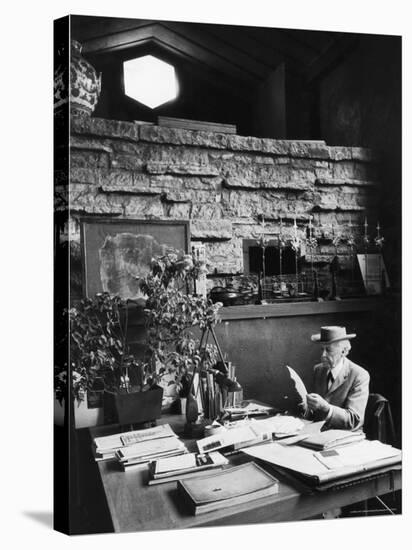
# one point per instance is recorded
(184, 466)
(105, 447)
(238, 485)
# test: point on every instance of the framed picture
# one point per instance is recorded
(117, 252)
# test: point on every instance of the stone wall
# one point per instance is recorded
(222, 183)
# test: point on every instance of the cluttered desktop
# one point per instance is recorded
(256, 465)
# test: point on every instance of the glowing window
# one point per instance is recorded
(150, 81)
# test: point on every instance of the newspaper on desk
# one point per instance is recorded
(325, 466)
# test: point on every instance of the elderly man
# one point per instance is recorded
(341, 387)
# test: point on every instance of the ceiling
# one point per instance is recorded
(244, 54)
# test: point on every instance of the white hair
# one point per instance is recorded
(345, 347)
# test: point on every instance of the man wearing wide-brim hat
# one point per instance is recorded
(341, 388)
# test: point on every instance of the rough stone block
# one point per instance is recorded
(127, 162)
(116, 178)
(208, 211)
(170, 167)
(345, 181)
(85, 175)
(210, 229)
(103, 127)
(181, 211)
(339, 153)
(225, 257)
(312, 150)
(89, 159)
(90, 144)
(83, 199)
(144, 207)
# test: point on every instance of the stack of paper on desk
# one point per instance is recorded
(336, 464)
(330, 439)
(105, 447)
(232, 486)
(146, 451)
(250, 433)
(184, 466)
(251, 409)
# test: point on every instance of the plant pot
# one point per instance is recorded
(84, 417)
(134, 407)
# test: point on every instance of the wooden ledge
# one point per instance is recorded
(235, 313)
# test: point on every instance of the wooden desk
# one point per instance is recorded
(134, 506)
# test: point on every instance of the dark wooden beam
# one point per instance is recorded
(171, 40)
(218, 46)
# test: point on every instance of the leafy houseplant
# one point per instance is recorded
(99, 356)
(99, 351)
(171, 311)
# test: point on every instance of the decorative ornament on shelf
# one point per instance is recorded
(311, 240)
(351, 242)
(337, 239)
(78, 85)
(334, 265)
(379, 239)
(281, 245)
(295, 243)
(365, 234)
(263, 242)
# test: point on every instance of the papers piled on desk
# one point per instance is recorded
(146, 451)
(250, 409)
(105, 447)
(329, 466)
(184, 466)
(250, 432)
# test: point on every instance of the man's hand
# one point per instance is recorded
(317, 403)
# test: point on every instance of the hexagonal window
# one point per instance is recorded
(150, 81)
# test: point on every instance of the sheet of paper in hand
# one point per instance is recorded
(289, 392)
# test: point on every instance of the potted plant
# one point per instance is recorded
(100, 358)
(172, 309)
(99, 349)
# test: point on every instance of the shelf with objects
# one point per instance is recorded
(306, 263)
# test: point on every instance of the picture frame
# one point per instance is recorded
(117, 252)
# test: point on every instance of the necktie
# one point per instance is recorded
(329, 380)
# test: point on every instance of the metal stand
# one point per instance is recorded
(192, 410)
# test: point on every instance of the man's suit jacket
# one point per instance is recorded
(348, 393)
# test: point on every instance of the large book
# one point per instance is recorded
(229, 487)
